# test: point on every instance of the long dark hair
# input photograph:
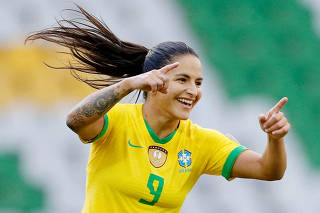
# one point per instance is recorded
(99, 52)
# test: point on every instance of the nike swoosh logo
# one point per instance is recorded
(130, 144)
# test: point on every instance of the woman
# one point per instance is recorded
(146, 157)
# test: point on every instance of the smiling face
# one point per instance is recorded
(184, 89)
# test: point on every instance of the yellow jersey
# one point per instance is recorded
(131, 169)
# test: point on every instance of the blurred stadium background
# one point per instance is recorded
(254, 53)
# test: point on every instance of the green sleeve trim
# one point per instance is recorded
(105, 127)
(227, 168)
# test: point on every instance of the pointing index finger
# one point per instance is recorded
(169, 67)
(278, 106)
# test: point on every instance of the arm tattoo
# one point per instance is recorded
(95, 106)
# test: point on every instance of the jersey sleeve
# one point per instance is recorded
(111, 119)
(220, 153)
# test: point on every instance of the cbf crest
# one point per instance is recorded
(184, 158)
(157, 156)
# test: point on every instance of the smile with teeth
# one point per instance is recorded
(185, 101)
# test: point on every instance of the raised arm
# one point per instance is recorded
(87, 118)
(272, 164)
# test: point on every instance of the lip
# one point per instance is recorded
(186, 106)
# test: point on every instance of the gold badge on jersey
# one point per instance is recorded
(157, 156)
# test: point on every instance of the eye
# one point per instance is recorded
(198, 83)
(181, 80)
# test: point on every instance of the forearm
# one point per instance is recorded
(97, 104)
(272, 164)
(274, 159)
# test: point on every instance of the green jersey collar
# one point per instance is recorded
(156, 138)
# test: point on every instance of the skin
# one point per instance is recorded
(272, 164)
(164, 109)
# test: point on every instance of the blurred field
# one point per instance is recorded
(25, 78)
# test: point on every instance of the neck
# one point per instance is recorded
(158, 120)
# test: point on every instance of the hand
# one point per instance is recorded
(275, 123)
(155, 80)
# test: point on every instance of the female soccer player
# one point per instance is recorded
(147, 157)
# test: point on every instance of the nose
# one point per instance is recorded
(192, 90)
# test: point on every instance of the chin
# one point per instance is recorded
(183, 116)
(186, 118)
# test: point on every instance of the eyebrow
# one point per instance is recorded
(187, 76)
